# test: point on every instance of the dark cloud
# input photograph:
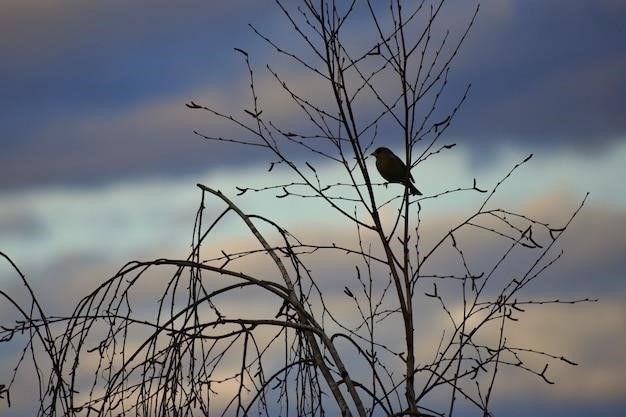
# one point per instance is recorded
(75, 58)
(548, 73)
(73, 65)
(543, 73)
(539, 407)
(98, 153)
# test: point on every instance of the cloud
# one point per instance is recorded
(83, 235)
(105, 105)
(153, 138)
(546, 73)
(53, 79)
(592, 336)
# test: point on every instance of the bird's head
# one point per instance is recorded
(381, 151)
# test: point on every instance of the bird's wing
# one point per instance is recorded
(401, 163)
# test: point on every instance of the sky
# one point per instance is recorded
(99, 162)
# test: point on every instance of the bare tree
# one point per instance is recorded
(258, 330)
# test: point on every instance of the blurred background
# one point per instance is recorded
(98, 160)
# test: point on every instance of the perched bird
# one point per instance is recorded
(393, 169)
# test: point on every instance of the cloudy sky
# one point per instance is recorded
(98, 160)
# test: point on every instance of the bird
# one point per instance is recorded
(393, 169)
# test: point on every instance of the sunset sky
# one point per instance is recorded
(99, 162)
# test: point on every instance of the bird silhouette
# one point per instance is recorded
(393, 169)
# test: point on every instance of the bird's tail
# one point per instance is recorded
(412, 189)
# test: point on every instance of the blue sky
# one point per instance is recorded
(99, 162)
